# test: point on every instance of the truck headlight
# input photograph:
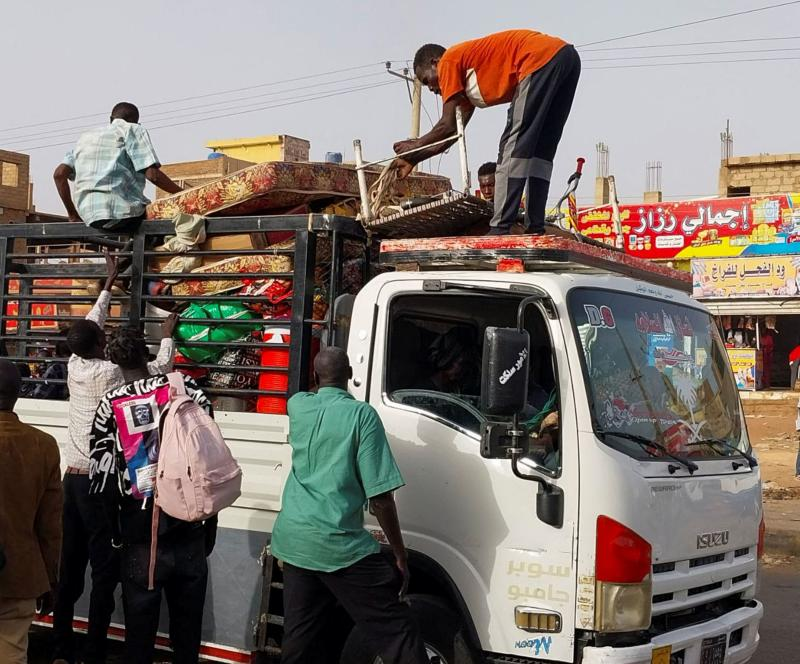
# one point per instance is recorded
(623, 582)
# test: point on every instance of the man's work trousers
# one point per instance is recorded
(16, 616)
(87, 539)
(368, 591)
(536, 119)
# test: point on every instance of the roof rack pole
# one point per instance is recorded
(366, 212)
(462, 151)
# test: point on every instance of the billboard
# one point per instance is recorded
(745, 276)
(710, 227)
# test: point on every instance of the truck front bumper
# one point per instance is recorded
(689, 641)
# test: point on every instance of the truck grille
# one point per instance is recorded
(682, 584)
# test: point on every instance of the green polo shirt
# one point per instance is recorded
(340, 458)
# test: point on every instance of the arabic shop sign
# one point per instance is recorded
(757, 276)
(705, 227)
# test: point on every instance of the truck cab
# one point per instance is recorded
(624, 523)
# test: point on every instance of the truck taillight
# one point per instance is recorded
(762, 529)
(623, 583)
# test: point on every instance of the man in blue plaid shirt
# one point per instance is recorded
(109, 166)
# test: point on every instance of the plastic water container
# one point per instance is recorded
(333, 157)
(278, 379)
(215, 155)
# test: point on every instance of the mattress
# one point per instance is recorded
(277, 186)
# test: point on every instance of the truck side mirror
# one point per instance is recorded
(504, 374)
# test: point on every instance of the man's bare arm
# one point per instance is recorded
(385, 510)
(444, 128)
(61, 176)
(161, 180)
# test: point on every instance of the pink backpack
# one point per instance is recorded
(197, 475)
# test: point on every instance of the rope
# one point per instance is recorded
(381, 201)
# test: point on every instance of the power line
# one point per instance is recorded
(691, 55)
(62, 131)
(700, 43)
(204, 96)
(689, 23)
(228, 115)
(680, 64)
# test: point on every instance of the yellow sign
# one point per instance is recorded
(746, 277)
(746, 366)
(661, 655)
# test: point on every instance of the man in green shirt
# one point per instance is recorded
(341, 459)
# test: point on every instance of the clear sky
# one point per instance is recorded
(67, 59)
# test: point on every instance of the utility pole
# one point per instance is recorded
(416, 107)
(416, 98)
(616, 218)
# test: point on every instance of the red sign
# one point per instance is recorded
(704, 227)
(36, 308)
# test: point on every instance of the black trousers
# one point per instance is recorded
(181, 575)
(368, 591)
(87, 539)
(536, 120)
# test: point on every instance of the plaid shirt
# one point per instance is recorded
(88, 382)
(108, 167)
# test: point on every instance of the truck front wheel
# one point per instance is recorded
(442, 631)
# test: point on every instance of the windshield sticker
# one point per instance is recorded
(662, 323)
(670, 357)
(686, 389)
(617, 413)
(680, 435)
(601, 316)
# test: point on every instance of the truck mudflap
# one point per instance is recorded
(729, 639)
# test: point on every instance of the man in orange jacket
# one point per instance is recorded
(538, 74)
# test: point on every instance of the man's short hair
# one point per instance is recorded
(10, 380)
(127, 348)
(82, 337)
(125, 111)
(332, 365)
(426, 54)
(489, 168)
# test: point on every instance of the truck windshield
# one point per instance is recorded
(656, 371)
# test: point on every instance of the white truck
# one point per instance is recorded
(580, 484)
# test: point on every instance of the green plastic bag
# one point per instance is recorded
(188, 331)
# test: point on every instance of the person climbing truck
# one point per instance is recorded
(538, 74)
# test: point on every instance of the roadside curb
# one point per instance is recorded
(779, 542)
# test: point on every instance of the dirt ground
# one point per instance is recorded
(771, 426)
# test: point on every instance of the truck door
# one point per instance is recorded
(416, 359)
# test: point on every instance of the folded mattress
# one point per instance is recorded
(275, 187)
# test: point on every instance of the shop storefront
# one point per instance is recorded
(757, 302)
(744, 254)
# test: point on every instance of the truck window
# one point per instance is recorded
(434, 358)
(658, 370)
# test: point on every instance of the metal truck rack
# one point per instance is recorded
(530, 253)
(321, 244)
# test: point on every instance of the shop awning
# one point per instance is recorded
(754, 306)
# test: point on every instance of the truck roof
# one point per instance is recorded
(528, 253)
